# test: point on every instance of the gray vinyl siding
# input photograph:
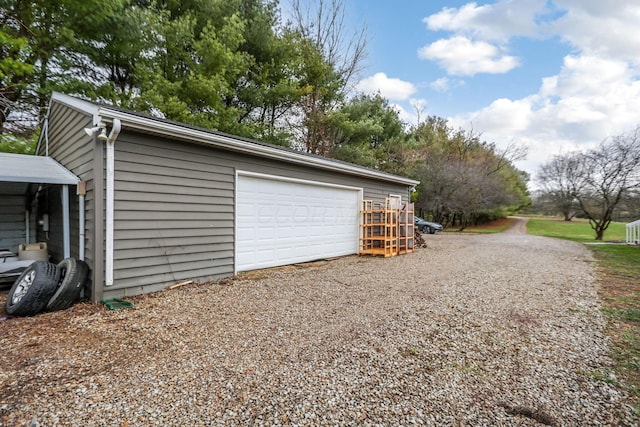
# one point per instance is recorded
(173, 216)
(72, 148)
(174, 209)
(12, 220)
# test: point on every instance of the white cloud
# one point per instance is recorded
(593, 96)
(390, 88)
(445, 84)
(461, 56)
(608, 29)
(497, 22)
(480, 34)
(589, 100)
(440, 85)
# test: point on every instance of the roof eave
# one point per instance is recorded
(148, 125)
(159, 127)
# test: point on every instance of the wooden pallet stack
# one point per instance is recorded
(386, 229)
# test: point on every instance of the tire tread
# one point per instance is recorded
(38, 295)
(70, 286)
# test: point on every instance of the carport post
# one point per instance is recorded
(65, 221)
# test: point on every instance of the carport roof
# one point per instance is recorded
(34, 169)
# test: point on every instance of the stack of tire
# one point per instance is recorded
(47, 286)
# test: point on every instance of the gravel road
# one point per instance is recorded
(499, 330)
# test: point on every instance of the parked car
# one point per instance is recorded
(427, 226)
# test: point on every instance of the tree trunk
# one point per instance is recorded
(599, 234)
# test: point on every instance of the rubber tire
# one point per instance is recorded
(73, 275)
(44, 277)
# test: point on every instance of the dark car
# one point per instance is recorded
(427, 226)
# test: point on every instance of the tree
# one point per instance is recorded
(330, 62)
(605, 176)
(14, 69)
(556, 179)
(38, 50)
(228, 65)
(194, 65)
(107, 60)
(464, 180)
(272, 87)
(367, 131)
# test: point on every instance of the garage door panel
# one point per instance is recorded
(282, 222)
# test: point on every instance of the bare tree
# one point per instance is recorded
(605, 176)
(556, 179)
(322, 22)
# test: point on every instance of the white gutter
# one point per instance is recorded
(109, 203)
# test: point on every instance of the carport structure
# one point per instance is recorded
(22, 179)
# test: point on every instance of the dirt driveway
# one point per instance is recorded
(473, 330)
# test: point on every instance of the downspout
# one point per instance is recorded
(109, 202)
(46, 135)
(66, 241)
(81, 191)
(26, 225)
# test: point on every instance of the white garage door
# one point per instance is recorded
(281, 221)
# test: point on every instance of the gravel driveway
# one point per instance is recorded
(473, 330)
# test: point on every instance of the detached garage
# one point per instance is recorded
(165, 201)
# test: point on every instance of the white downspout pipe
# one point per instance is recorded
(81, 191)
(46, 135)
(109, 203)
(66, 241)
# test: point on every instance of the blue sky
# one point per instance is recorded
(554, 76)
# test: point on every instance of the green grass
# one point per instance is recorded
(618, 276)
(577, 229)
(628, 314)
(621, 261)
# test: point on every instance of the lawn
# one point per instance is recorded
(618, 276)
(577, 229)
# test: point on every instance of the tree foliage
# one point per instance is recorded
(234, 66)
(334, 57)
(464, 180)
(228, 65)
(365, 131)
(39, 46)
